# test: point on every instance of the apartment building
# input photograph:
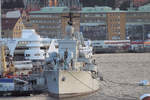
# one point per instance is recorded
(116, 21)
(101, 23)
(52, 21)
(96, 23)
(93, 23)
(138, 23)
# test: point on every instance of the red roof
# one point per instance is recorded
(8, 23)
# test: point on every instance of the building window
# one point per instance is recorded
(115, 37)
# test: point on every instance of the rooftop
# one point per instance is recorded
(96, 9)
(100, 9)
(52, 10)
(145, 8)
(83, 10)
(13, 14)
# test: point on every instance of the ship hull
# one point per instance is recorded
(62, 84)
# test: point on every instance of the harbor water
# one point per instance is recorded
(122, 74)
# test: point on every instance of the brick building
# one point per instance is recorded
(116, 25)
(138, 23)
(96, 23)
(102, 23)
(52, 21)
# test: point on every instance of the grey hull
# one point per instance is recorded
(62, 84)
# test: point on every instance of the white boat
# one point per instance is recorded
(68, 72)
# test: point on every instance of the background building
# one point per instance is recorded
(14, 22)
(101, 23)
(96, 23)
(116, 21)
(52, 21)
(8, 26)
(135, 3)
(93, 22)
(138, 23)
(49, 20)
(35, 4)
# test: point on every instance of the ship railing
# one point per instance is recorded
(63, 69)
(84, 69)
(76, 67)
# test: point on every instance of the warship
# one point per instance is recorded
(69, 72)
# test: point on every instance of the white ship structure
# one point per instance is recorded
(87, 49)
(68, 72)
(34, 52)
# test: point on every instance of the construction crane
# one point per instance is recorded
(6, 68)
(3, 61)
